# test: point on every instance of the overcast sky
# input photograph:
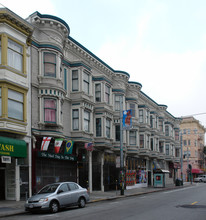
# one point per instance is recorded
(160, 43)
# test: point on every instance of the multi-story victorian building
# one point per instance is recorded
(193, 142)
(15, 106)
(75, 100)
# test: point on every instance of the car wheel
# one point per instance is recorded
(54, 207)
(200, 181)
(82, 202)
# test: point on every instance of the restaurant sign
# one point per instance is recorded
(57, 156)
(12, 147)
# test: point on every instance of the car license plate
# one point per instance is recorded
(31, 206)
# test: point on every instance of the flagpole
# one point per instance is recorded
(121, 149)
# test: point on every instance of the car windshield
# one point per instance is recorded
(49, 189)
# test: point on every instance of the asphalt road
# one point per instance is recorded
(183, 203)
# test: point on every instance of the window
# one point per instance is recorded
(167, 130)
(49, 64)
(0, 103)
(185, 131)
(185, 142)
(15, 55)
(75, 119)
(107, 94)
(117, 102)
(15, 104)
(86, 83)
(50, 110)
(0, 50)
(65, 79)
(98, 92)
(73, 186)
(132, 107)
(64, 187)
(189, 142)
(141, 116)
(188, 131)
(132, 137)
(108, 127)
(151, 121)
(117, 133)
(141, 138)
(151, 144)
(86, 121)
(98, 127)
(161, 125)
(167, 149)
(75, 81)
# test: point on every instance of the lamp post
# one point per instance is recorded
(121, 149)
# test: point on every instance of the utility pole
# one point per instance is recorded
(121, 149)
(181, 156)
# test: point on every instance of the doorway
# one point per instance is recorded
(2, 184)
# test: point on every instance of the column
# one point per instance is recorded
(90, 171)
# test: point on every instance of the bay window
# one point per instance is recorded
(107, 94)
(98, 92)
(98, 127)
(117, 132)
(108, 127)
(75, 119)
(141, 140)
(75, 80)
(141, 119)
(117, 102)
(15, 55)
(86, 121)
(86, 83)
(15, 104)
(50, 110)
(132, 137)
(50, 64)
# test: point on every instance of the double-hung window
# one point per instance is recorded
(86, 83)
(0, 104)
(15, 55)
(167, 149)
(50, 64)
(117, 133)
(86, 121)
(50, 110)
(75, 80)
(98, 92)
(15, 104)
(132, 137)
(65, 79)
(75, 119)
(107, 94)
(108, 127)
(132, 107)
(141, 140)
(117, 102)
(98, 127)
(141, 119)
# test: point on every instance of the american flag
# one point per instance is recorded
(88, 146)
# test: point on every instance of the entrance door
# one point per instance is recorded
(24, 182)
(2, 184)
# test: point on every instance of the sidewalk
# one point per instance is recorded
(9, 208)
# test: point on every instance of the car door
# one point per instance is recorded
(63, 195)
(74, 192)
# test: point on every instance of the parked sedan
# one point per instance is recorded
(201, 178)
(54, 196)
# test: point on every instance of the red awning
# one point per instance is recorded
(198, 171)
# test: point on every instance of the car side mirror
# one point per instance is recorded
(60, 191)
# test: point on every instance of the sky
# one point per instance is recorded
(160, 43)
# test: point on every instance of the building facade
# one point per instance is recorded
(193, 142)
(15, 108)
(76, 100)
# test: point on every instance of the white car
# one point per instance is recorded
(201, 178)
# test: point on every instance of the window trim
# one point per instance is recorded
(47, 62)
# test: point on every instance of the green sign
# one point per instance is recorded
(56, 156)
(12, 147)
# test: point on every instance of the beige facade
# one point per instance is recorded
(193, 141)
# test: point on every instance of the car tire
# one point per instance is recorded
(81, 202)
(200, 181)
(54, 206)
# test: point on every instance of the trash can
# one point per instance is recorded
(179, 182)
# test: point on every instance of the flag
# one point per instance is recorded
(57, 145)
(69, 147)
(88, 146)
(45, 143)
(127, 119)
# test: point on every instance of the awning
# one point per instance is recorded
(12, 147)
(198, 171)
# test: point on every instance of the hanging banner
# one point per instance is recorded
(69, 147)
(88, 146)
(127, 119)
(45, 143)
(57, 145)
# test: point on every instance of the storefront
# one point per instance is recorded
(13, 154)
(49, 166)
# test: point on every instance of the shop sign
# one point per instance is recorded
(57, 156)
(5, 159)
(12, 147)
